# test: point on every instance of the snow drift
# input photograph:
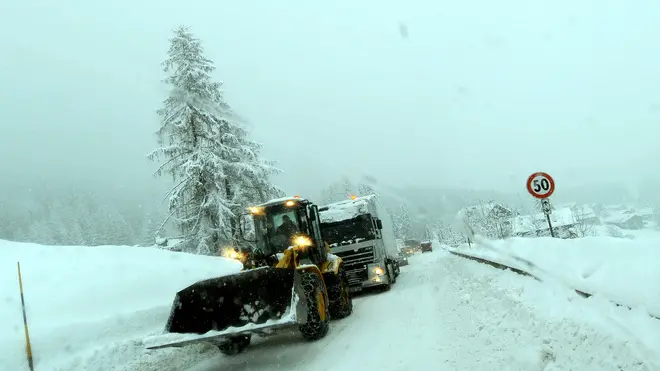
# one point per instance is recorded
(80, 298)
(622, 270)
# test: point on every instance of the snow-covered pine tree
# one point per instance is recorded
(327, 194)
(216, 168)
(149, 230)
(404, 222)
(255, 174)
(193, 136)
(394, 219)
(347, 188)
(428, 233)
(248, 181)
(338, 191)
(365, 189)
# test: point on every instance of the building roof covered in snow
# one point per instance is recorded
(484, 209)
(344, 210)
(646, 211)
(619, 215)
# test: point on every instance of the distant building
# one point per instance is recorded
(568, 221)
(647, 213)
(489, 209)
(626, 217)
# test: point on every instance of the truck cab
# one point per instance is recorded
(358, 231)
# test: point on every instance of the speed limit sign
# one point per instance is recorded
(540, 185)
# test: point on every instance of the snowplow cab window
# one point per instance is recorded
(277, 228)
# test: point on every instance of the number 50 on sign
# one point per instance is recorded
(540, 185)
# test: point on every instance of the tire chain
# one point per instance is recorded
(315, 328)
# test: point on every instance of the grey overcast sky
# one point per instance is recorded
(480, 94)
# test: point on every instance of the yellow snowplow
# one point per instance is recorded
(296, 281)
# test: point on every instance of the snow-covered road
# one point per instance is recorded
(447, 313)
(444, 313)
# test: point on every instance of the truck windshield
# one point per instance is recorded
(276, 229)
(348, 231)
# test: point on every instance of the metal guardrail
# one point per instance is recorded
(521, 272)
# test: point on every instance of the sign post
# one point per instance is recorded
(541, 186)
(28, 345)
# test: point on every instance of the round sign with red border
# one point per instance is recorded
(540, 185)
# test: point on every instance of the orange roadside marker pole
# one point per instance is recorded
(28, 347)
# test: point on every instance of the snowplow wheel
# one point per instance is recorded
(317, 324)
(235, 345)
(341, 302)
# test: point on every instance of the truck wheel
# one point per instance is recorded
(392, 273)
(388, 274)
(341, 302)
(235, 345)
(318, 319)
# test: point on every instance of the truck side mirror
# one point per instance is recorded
(379, 224)
(312, 212)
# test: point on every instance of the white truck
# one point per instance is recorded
(360, 232)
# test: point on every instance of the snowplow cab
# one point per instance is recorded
(286, 223)
(296, 282)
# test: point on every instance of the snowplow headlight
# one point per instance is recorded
(379, 271)
(230, 253)
(289, 203)
(255, 210)
(302, 241)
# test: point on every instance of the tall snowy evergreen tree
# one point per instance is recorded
(396, 222)
(347, 188)
(216, 168)
(338, 191)
(405, 222)
(149, 230)
(328, 194)
(365, 189)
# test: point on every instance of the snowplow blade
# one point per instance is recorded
(228, 304)
(173, 340)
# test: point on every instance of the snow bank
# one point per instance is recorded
(578, 334)
(80, 298)
(622, 270)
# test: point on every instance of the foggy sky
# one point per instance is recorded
(479, 95)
